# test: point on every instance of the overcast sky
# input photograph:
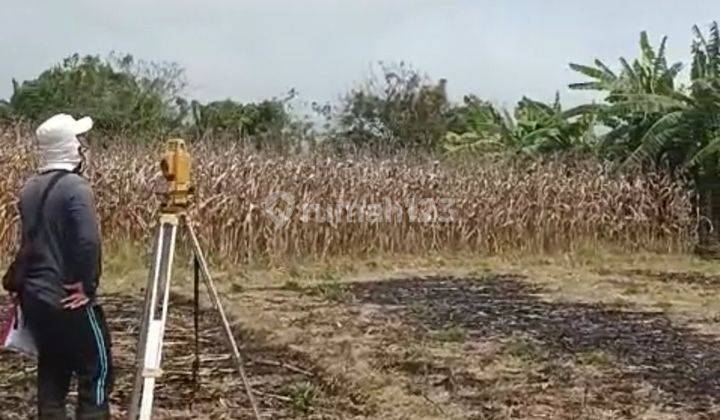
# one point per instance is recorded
(254, 49)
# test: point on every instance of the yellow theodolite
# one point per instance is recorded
(175, 165)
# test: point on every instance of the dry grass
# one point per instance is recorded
(497, 208)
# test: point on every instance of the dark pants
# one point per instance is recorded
(71, 342)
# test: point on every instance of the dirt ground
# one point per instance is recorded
(282, 379)
(611, 337)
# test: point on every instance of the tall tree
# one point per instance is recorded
(399, 109)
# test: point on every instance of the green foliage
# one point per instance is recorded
(230, 117)
(535, 128)
(656, 121)
(227, 117)
(120, 93)
(303, 397)
(400, 109)
(141, 99)
(635, 96)
(266, 124)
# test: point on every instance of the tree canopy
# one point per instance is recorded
(135, 98)
(122, 94)
(398, 109)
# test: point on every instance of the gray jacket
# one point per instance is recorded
(67, 248)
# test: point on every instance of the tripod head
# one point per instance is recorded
(175, 166)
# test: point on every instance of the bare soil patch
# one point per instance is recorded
(645, 361)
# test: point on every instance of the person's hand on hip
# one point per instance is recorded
(77, 298)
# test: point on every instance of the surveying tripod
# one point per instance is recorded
(175, 165)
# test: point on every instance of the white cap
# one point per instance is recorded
(58, 146)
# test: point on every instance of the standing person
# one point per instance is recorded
(61, 275)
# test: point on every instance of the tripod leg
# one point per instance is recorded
(196, 322)
(142, 338)
(215, 300)
(154, 319)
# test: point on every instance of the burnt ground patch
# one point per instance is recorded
(287, 384)
(680, 363)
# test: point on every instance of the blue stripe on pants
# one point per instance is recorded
(102, 352)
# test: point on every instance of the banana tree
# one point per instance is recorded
(534, 128)
(677, 126)
(649, 78)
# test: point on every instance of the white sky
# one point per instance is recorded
(254, 49)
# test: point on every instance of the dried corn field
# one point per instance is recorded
(361, 206)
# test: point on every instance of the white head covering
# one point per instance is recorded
(58, 146)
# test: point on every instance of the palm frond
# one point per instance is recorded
(699, 36)
(712, 148)
(648, 54)
(629, 72)
(588, 86)
(471, 142)
(647, 102)
(588, 71)
(509, 121)
(661, 61)
(673, 71)
(614, 135)
(533, 105)
(538, 135)
(583, 110)
(655, 139)
(713, 45)
(608, 73)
